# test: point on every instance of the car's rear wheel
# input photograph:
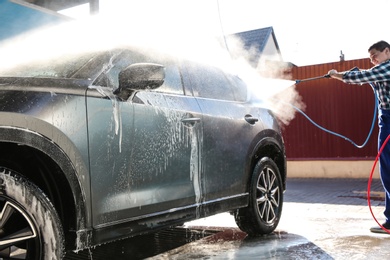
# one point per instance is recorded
(29, 225)
(265, 200)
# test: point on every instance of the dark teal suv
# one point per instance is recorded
(111, 144)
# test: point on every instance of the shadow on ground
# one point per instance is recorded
(334, 191)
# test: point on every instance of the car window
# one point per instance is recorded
(172, 83)
(212, 82)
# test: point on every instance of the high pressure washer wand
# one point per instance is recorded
(320, 77)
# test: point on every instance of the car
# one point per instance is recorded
(109, 144)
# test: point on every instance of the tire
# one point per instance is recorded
(29, 225)
(263, 213)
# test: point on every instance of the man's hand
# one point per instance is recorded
(335, 74)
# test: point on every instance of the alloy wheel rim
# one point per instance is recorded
(18, 234)
(268, 195)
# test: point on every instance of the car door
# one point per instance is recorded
(164, 162)
(144, 152)
(229, 126)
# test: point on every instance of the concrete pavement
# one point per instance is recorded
(321, 219)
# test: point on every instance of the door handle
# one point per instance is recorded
(251, 120)
(190, 121)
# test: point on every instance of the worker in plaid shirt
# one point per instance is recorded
(379, 78)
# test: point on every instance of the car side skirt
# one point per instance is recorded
(173, 217)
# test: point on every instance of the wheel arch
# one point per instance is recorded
(268, 143)
(47, 165)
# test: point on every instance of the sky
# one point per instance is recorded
(308, 32)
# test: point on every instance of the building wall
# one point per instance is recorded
(343, 108)
(270, 51)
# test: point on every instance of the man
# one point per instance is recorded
(379, 77)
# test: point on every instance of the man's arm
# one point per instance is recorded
(336, 75)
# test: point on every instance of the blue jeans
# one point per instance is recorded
(384, 159)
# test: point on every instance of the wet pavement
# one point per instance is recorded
(321, 219)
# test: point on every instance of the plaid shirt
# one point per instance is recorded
(378, 77)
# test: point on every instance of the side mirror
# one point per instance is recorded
(139, 76)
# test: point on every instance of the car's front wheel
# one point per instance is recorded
(29, 225)
(265, 200)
